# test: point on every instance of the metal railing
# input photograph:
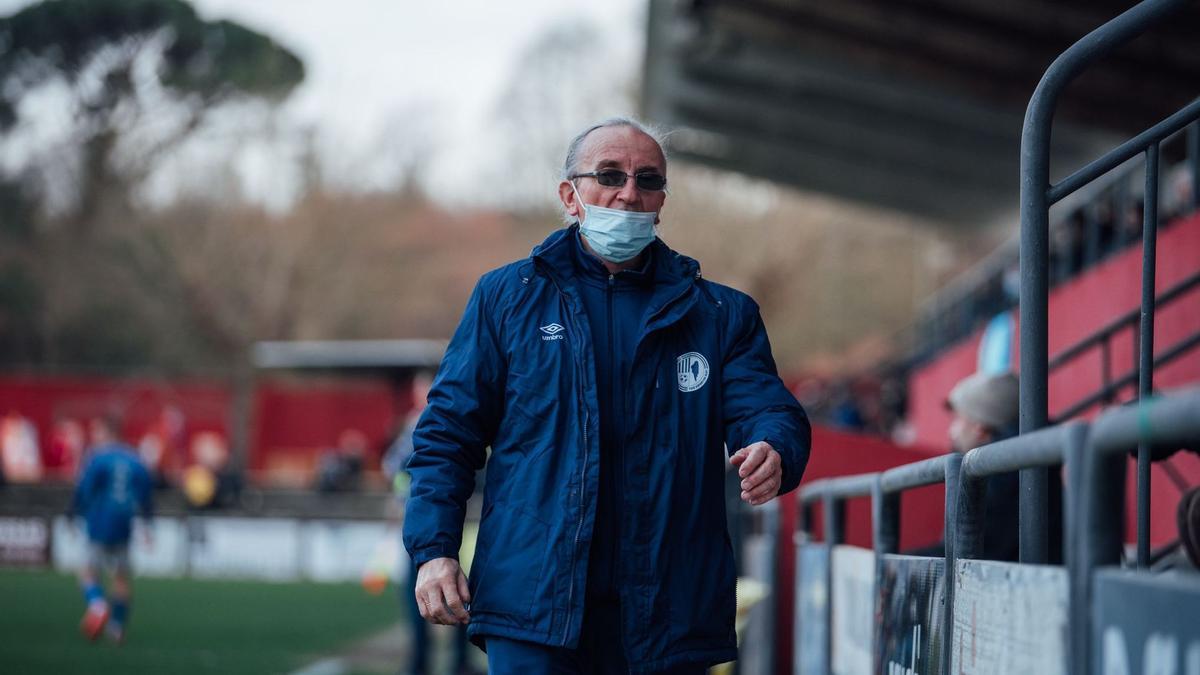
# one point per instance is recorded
(1095, 470)
(1037, 196)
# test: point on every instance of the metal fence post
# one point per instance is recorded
(953, 472)
(1035, 219)
(885, 519)
(1095, 531)
(834, 513)
(1146, 346)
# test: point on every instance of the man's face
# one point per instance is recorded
(623, 148)
(967, 434)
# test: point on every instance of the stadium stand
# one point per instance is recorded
(865, 609)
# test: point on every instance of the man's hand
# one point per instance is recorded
(761, 469)
(442, 592)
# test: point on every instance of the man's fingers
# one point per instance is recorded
(437, 607)
(767, 469)
(456, 612)
(432, 604)
(464, 591)
(423, 605)
(755, 454)
(763, 494)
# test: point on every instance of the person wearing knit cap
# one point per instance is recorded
(985, 411)
(985, 408)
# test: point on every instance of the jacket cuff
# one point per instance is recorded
(432, 552)
(792, 469)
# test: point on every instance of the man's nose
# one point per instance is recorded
(629, 193)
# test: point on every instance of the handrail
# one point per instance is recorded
(1093, 454)
(925, 472)
(858, 485)
(1166, 420)
(1124, 152)
(1043, 447)
(1037, 194)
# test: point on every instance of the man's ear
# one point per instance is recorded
(567, 196)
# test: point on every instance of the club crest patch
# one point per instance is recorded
(692, 369)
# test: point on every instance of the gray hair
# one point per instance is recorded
(575, 147)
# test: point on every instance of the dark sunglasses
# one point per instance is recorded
(649, 181)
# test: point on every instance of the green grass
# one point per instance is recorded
(179, 626)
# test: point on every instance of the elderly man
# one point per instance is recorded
(609, 379)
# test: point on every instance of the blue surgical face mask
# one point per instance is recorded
(615, 235)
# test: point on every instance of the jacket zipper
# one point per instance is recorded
(617, 413)
(619, 460)
(583, 466)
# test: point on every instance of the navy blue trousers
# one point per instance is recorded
(599, 652)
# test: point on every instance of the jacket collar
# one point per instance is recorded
(675, 275)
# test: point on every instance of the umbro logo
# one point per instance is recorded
(552, 332)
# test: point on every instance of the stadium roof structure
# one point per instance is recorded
(913, 106)
(349, 354)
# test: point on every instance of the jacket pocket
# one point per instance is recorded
(513, 546)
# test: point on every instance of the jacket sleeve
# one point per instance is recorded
(449, 441)
(757, 406)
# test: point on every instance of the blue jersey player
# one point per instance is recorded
(113, 486)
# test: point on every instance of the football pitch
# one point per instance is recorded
(183, 626)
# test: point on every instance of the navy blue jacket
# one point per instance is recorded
(519, 376)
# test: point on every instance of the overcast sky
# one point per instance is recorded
(372, 62)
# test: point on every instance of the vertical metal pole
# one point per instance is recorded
(1095, 530)
(835, 519)
(1146, 352)
(1193, 153)
(953, 474)
(885, 520)
(1035, 243)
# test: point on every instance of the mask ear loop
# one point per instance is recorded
(579, 198)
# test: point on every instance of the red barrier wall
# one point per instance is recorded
(297, 419)
(140, 402)
(294, 419)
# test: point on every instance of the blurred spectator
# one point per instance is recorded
(161, 447)
(67, 440)
(985, 411)
(1066, 248)
(19, 455)
(208, 481)
(340, 469)
(845, 412)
